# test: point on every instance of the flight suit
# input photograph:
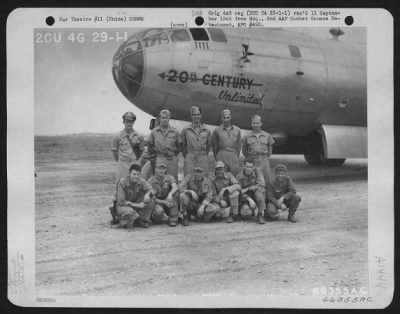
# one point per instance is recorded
(126, 155)
(256, 185)
(161, 188)
(204, 192)
(226, 144)
(231, 198)
(166, 145)
(196, 145)
(132, 192)
(282, 188)
(255, 148)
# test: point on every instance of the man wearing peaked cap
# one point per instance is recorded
(129, 116)
(165, 195)
(196, 197)
(226, 190)
(281, 194)
(127, 146)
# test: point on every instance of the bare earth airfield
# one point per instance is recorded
(78, 253)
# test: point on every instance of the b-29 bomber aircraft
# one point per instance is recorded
(310, 91)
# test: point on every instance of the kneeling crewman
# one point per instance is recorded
(282, 195)
(252, 195)
(196, 197)
(134, 199)
(165, 195)
(226, 190)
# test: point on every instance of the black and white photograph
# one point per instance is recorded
(201, 164)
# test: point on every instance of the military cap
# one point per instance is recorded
(225, 111)
(161, 163)
(129, 116)
(280, 167)
(165, 111)
(195, 109)
(219, 164)
(198, 168)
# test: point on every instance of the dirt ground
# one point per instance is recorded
(78, 253)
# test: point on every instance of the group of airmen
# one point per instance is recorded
(147, 189)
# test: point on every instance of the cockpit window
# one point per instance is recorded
(179, 35)
(294, 51)
(199, 34)
(149, 32)
(158, 39)
(132, 46)
(217, 35)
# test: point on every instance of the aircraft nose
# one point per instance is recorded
(128, 70)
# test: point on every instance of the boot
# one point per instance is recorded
(142, 223)
(230, 219)
(260, 219)
(172, 223)
(292, 218)
(113, 212)
(185, 220)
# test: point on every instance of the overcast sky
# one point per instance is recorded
(74, 88)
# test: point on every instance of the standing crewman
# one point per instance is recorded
(165, 195)
(134, 199)
(226, 190)
(127, 146)
(252, 195)
(282, 195)
(196, 144)
(196, 197)
(226, 143)
(257, 146)
(165, 143)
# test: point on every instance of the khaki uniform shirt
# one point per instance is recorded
(228, 139)
(196, 141)
(278, 189)
(121, 144)
(165, 143)
(257, 143)
(256, 178)
(162, 187)
(131, 191)
(219, 183)
(202, 188)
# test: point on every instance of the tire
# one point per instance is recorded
(314, 159)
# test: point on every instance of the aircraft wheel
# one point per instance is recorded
(313, 159)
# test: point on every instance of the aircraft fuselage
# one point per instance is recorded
(294, 81)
